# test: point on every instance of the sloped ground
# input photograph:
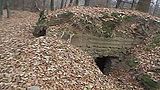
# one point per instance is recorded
(50, 63)
(131, 35)
(99, 27)
(45, 62)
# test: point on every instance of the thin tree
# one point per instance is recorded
(65, 4)
(34, 6)
(107, 3)
(44, 4)
(71, 3)
(156, 7)
(77, 2)
(1, 9)
(132, 5)
(52, 5)
(86, 3)
(62, 2)
(23, 4)
(16, 4)
(118, 3)
(143, 5)
(8, 8)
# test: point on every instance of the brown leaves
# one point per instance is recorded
(50, 63)
(46, 62)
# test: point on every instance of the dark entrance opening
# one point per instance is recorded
(40, 31)
(104, 63)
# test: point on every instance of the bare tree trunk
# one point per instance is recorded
(118, 3)
(143, 5)
(156, 7)
(8, 8)
(52, 5)
(86, 2)
(132, 6)
(62, 2)
(77, 2)
(71, 3)
(23, 4)
(44, 4)
(65, 4)
(16, 5)
(107, 3)
(1, 9)
(34, 7)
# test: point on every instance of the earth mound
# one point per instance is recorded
(49, 63)
(132, 36)
(64, 58)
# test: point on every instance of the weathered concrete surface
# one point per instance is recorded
(102, 46)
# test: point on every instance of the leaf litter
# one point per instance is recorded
(50, 63)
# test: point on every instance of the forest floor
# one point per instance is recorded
(49, 62)
(45, 62)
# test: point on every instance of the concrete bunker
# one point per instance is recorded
(105, 63)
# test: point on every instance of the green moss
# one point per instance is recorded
(156, 40)
(133, 62)
(88, 87)
(148, 83)
(105, 15)
(61, 18)
(128, 18)
(42, 21)
(41, 25)
(121, 17)
(107, 28)
(66, 14)
(148, 48)
(118, 16)
(89, 24)
(115, 15)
